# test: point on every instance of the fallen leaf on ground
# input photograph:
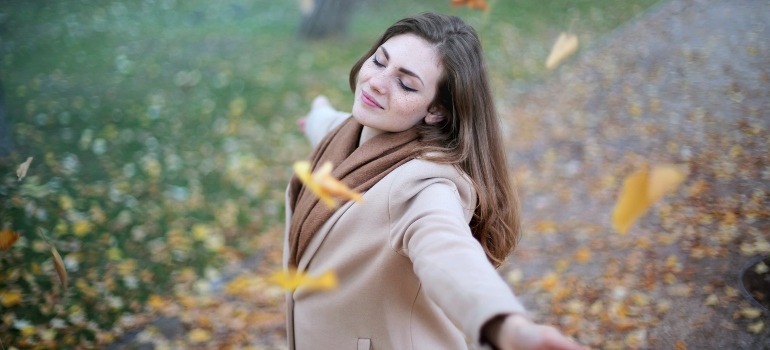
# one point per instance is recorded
(7, 239)
(199, 335)
(564, 46)
(756, 328)
(761, 268)
(640, 191)
(10, 298)
(751, 312)
(21, 172)
(323, 185)
(290, 280)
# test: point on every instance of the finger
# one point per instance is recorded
(553, 339)
(301, 124)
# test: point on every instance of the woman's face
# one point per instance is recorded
(397, 84)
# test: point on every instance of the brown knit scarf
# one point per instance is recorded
(357, 167)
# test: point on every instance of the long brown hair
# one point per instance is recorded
(469, 136)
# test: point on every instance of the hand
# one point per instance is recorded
(516, 332)
(319, 102)
(301, 124)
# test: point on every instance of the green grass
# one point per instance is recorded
(161, 129)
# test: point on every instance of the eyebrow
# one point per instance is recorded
(402, 70)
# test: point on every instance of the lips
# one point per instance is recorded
(369, 100)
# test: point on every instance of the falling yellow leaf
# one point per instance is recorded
(323, 185)
(21, 172)
(10, 298)
(472, 4)
(640, 191)
(59, 265)
(290, 280)
(663, 179)
(7, 239)
(564, 46)
(199, 335)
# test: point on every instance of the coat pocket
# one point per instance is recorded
(365, 344)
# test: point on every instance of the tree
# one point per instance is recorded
(322, 18)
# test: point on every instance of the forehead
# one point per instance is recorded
(414, 53)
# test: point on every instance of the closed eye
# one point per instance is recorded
(403, 86)
(406, 87)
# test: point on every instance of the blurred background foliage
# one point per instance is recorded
(163, 133)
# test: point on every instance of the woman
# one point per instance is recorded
(415, 259)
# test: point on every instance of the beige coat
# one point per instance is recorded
(410, 272)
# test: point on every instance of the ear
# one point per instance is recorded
(435, 115)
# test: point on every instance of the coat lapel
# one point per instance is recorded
(319, 236)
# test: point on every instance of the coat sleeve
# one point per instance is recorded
(429, 224)
(322, 120)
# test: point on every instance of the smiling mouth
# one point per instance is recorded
(369, 100)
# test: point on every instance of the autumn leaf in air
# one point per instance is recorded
(472, 4)
(58, 263)
(7, 239)
(564, 46)
(290, 280)
(21, 172)
(323, 185)
(641, 190)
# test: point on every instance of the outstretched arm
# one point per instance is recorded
(321, 119)
(516, 332)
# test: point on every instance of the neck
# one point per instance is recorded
(368, 133)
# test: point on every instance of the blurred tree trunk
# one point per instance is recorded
(6, 145)
(322, 18)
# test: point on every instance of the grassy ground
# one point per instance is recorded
(163, 133)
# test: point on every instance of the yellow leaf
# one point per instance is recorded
(751, 312)
(756, 328)
(323, 185)
(114, 253)
(81, 228)
(640, 191)
(199, 335)
(632, 202)
(10, 298)
(663, 179)
(583, 255)
(549, 281)
(21, 172)
(761, 268)
(472, 4)
(564, 46)
(291, 280)
(156, 302)
(711, 300)
(7, 239)
(59, 265)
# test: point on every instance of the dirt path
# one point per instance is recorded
(686, 83)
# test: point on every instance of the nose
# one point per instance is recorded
(379, 82)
